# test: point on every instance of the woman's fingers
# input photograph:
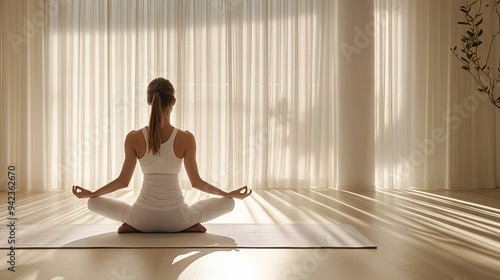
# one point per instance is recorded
(78, 191)
(243, 192)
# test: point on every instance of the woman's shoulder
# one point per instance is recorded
(185, 133)
(135, 135)
(185, 136)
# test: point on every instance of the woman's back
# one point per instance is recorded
(166, 162)
(160, 189)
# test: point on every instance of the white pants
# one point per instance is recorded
(147, 220)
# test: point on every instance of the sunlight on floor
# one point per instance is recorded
(420, 235)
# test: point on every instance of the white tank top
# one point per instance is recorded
(160, 187)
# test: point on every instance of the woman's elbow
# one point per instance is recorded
(199, 184)
(123, 182)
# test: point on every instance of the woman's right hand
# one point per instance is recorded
(240, 193)
(81, 192)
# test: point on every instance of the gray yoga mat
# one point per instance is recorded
(217, 236)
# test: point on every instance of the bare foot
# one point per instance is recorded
(126, 228)
(196, 228)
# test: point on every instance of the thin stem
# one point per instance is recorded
(495, 35)
(470, 47)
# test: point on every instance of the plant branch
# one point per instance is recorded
(471, 43)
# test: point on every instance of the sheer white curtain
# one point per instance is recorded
(433, 129)
(254, 82)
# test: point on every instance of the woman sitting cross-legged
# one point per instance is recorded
(160, 149)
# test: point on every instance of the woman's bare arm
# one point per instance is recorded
(123, 179)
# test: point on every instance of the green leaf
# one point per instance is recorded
(463, 23)
(480, 33)
(466, 68)
(465, 10)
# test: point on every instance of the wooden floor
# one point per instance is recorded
(420, 235)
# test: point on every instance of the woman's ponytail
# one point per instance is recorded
(160, 95)
(155, 124)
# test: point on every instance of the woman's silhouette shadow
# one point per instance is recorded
(134, 256)
(152, 240)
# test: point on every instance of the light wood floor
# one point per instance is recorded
(420, 235)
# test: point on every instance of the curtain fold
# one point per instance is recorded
(433, 129)
(254, 84)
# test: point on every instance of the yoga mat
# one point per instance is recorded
(274, 236)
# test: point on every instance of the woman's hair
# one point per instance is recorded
(161, 94)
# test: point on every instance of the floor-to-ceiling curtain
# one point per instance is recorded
(256, 83)
(434, 130)
(254, 80)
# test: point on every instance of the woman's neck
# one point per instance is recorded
(166, 121)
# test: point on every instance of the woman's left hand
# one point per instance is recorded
(81, 192)
(240, 193)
